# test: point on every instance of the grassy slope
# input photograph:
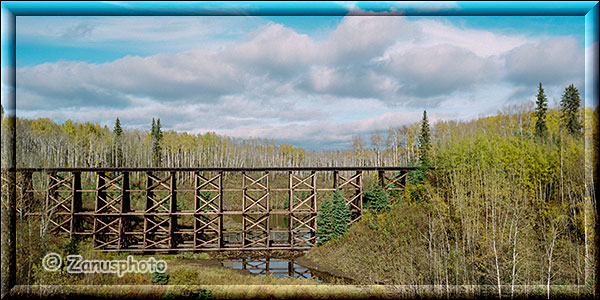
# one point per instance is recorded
(373, 249)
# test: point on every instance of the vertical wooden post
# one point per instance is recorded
(100, 198)
(126, 198)
(335, 179)
(100, 190)
(359, 191)
(76, 203)
(147, 214)
(290, 205)
(125, 208)
(149, 192)
(221, 244)
(267, 269)
(313, 194)
(243, 209)
(52, 193)
(196, 207)
(268, 225)
(381, 176)
(173, 210)
(243, 191)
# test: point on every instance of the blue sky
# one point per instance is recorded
(310, 81)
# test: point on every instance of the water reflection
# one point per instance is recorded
(277, 267)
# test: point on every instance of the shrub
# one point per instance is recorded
(160, 278)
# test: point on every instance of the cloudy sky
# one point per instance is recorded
(310, 81)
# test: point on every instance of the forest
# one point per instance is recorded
(504, 200)
(510, 203)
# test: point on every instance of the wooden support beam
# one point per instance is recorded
(313, 194)
(125, 208)
(100, 190)
(244, 190)
(173, 209)
(268, 191)
(75, 203)
(290, 207)
(148, 217)
(221, 243)
(99, 203)
(335, 179)
(359, 191)
(268, 227)
(125, 200)
(196, 207)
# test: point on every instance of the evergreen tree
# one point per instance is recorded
(424, 141)
(376, 199)
(118, 132)
(156, 143)
(341, 214)
(332, 219)
(541, 130)
(117, 129)
(325, 223)
(569, 108)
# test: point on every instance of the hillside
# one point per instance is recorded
(502, 207)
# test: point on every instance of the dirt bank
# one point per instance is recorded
(324, 271)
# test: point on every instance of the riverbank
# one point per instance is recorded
(327, 273)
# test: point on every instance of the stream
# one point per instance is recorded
(278, 267)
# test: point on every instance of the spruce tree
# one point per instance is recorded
(156, 143)
(341, 214)
(376, 199)
(325, 223)
(569, 108)
(118, 132)
(541, 130)
(332, 219)
(424, 141)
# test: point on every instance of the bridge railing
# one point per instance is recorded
(189, 209)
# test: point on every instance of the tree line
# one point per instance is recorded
(44, 143)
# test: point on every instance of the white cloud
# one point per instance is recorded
(551, 61)
(370, 73)
(482, 43)
(440, 69)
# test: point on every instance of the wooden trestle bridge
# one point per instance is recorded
(189, 209)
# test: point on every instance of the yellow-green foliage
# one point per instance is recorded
(498, 200)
